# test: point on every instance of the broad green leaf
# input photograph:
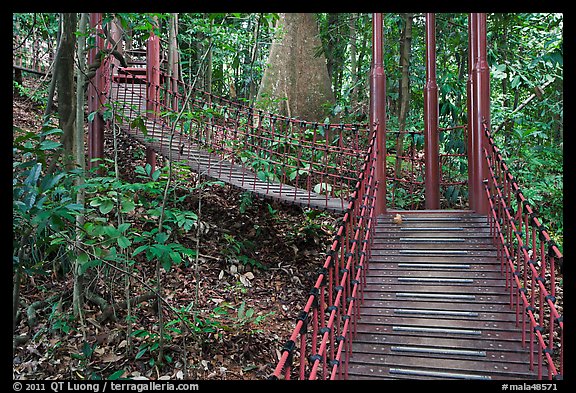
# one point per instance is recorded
(156, 174)
(50, 180)
(161, 237)
(106, 206)
(141, 353)
(124, 242)
(166, 264)
(82, 258)
(92, 263)
(49, 145)
(175, 256)
(127, 206)
(139, 250)
(124, 227)
(34, 174)
(116, 375)
(112, 231)
(51, 132)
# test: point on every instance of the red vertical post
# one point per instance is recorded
(95, 96)
(470, 108)
(484, 71)
(152, 87)
(481, 111)
(431, 152)
(378, 110)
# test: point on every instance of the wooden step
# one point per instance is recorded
(435, 304)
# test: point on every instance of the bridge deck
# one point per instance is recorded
(209, 164)
(435, 304)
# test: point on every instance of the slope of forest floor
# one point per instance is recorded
(241, 314)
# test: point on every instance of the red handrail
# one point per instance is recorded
(529, 259)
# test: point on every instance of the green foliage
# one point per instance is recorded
(42, 205)
(149, 343)
(314, 226)
(245, 201)
(238, 250)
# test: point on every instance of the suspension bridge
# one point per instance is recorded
(411, 293)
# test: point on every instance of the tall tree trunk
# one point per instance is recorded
(65, 83)
(52, 87)
(77, 300)
(353, 61)
(404, 94)
(204, 59)
(173, 59)
(461, 60)
(363, 90)
(332, 49)
(208, 74)
(253, 55)
(296, 82)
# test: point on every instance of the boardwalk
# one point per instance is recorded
(209, 164)
(435, 304)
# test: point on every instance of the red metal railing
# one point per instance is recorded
(321, 341)
(530, 260)
(33, 56)
(309, 155)
(318, 158)
(406, 189)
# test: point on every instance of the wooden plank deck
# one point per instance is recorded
(435, 304)
(212, 165)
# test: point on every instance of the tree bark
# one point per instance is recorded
(65, 82)
(77, 300)
(253, 55)
(173, 59)
(353, 61)
(296, 82)
(404, 93)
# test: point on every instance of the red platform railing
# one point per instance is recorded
(33, 56)
(406, 189)
(316, 157)
(530, 261)
(321, 342)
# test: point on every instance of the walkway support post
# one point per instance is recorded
(96, 96)
(378, 109)
(470, 111)
(152, 88)
(431, 136)
(484, 73)
(480, 94)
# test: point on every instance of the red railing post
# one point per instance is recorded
(152, 87)
(378, 109)
(431, 152)
(96, 96)
(470, 87)
(480, 93)
(484, 86)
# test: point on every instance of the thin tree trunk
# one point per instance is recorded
(208, 74)
(52, 87)
(66, 92)
(253, 55)
(405, 49)
(353, 61)
(363, 90)
(79, 157)
(173, 61)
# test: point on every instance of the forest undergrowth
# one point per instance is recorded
(226, 313)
